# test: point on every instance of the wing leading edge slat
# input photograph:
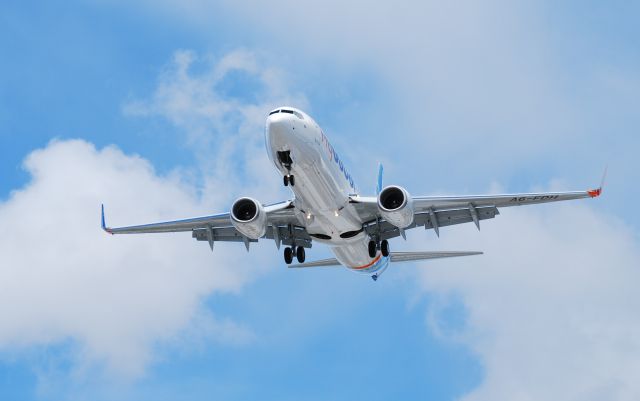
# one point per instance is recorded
(279, 213)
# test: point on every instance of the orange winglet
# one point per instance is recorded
(594, 193)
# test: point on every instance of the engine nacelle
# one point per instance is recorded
(249, 218)
(396, 206)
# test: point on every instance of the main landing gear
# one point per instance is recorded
(383, 246)
(289, 251)
(289, 180)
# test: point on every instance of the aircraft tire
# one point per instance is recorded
(288, 255)
(292, 181)
(384, 248)
(300, 254)
(285, 180)
(372, 249)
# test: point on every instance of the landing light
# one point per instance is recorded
(335, 213)
(308, 215)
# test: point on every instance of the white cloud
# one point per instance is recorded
(189, 96)
(551, 308)
(63, 278)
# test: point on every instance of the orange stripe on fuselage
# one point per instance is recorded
(369, 265)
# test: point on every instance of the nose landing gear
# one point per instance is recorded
(284, 158)
(289, 180)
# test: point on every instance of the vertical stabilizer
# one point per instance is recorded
(379, 182)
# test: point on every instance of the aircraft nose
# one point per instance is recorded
(279, 127)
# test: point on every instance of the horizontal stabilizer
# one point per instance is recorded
(395, 257)
(318, 263)
(409, 256)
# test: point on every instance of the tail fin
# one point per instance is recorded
(379, 183)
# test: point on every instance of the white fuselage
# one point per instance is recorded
(322, 188)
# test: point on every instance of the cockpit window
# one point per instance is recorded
(296, 113)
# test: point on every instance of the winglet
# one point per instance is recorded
(104, 225)
(379, 183)
(594, 193)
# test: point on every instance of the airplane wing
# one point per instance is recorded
(439, 211)
(395, 257)
(281, 219)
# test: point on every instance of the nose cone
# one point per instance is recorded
(279, 130)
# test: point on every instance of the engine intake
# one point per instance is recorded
(396, 206)
(249, 218)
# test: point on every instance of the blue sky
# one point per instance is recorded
(157, 109)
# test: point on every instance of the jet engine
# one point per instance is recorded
(249, 218)
(396, 206)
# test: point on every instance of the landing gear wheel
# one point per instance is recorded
(375, 277)
(372, 249)
(300, 254)
(292, 181)
(288, 255)
(286, 180)
(384, 248)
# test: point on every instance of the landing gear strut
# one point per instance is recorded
(284, 157)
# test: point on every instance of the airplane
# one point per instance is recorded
(328, 209)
